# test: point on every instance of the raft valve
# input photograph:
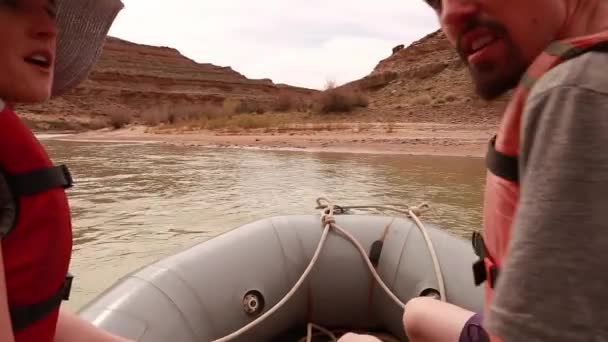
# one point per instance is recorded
(253, 303)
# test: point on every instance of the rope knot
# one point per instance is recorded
(328, 219)
(419, 209)
(328, 211)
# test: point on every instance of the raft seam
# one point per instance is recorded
(199, 299)
(301, 243)
(407, 236)
(172, 302)
(285, 268)
(309, 292)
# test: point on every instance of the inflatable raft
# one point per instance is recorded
(288, 277)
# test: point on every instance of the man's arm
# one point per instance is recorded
(71, 328)
(553, 284)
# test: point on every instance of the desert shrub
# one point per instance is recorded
(155, 115)
(422, 100)
(97, 123)
(340, 100)
(249, 107)
(120, 118)
(286, 102)
(449, 97)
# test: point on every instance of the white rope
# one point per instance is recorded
(328, 220)
(412, 212)
(310, 335)
(431, 248)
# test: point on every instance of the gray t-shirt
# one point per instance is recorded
(554, 283)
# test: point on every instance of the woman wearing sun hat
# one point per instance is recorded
(46, 48)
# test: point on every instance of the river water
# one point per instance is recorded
(135, 203)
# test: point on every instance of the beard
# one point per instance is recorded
(494, 78)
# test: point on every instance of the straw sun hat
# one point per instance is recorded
(82, 27)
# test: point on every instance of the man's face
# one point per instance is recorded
(27, 49)
(498, 39)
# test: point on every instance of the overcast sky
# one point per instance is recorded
(298, 42)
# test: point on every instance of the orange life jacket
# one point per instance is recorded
(502, 180)
(35, 231)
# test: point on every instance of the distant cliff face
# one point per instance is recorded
(133, 77)
(427, 82)
(423, 82)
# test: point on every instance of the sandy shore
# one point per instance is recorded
(402, 138)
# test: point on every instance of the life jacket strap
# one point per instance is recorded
(24, 315)
(500, 164)
(481, 273)
(40, 180)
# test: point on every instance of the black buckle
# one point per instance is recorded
(68, 176)
(500, 164)
(67, 286)
(478, 245)
(23, 316)
(479, 272)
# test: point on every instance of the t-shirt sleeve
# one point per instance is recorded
(554, 281)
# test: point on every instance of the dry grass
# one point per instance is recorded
(241, 121)
(231, 115)
(187, 114)
(331, 126)
(363, 127)
(227, 116)
(389, 127)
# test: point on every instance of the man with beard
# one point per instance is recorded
(544, 246)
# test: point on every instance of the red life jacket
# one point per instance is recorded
(502, 180)
(35, 230)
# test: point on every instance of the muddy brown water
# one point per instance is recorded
(134, 203)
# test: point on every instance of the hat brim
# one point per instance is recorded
(82, 27)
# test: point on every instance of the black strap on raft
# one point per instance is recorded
(480, 273)
(23, 316)
(500, 164)
(375, 252)
(40, 180)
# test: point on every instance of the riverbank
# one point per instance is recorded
(396, 138)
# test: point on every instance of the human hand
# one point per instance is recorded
(352, 337)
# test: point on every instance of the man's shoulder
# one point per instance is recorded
(575, 87)
(569, 101)
(587, 71)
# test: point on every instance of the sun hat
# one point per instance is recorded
(82, 27)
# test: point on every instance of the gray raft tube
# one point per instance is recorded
(218, 286)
